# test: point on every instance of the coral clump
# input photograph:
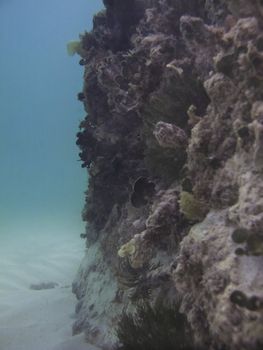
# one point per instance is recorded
(127, 249)
(74, 47)
(164, 217)
(169, 135)
(192, 209)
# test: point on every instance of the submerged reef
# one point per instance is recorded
(173, 145)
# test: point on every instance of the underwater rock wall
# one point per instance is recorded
(173, 143)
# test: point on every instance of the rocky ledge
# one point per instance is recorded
(173, 144)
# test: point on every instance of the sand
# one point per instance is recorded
(33, 319)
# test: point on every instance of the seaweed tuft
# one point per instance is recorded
(153, 328)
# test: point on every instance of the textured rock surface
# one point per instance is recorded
(173, 91)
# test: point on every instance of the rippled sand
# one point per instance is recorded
(32, 319)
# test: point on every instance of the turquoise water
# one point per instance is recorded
(42, 183)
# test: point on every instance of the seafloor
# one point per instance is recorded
(173, 144)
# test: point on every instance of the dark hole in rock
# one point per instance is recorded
(143, 190)
(214, 162)
(243, 132)
(187, 185)
(226, 64)
(239, 298)
(240, 235)
(254, 303)
(240, 251)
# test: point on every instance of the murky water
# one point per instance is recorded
(42, 183)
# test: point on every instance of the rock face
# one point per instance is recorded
(173, 143)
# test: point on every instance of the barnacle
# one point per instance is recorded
(253, 303)
(240, 251)
(239, 235)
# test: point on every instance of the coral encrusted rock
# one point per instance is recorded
(172, 141)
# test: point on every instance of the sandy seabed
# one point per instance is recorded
(39, 319)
